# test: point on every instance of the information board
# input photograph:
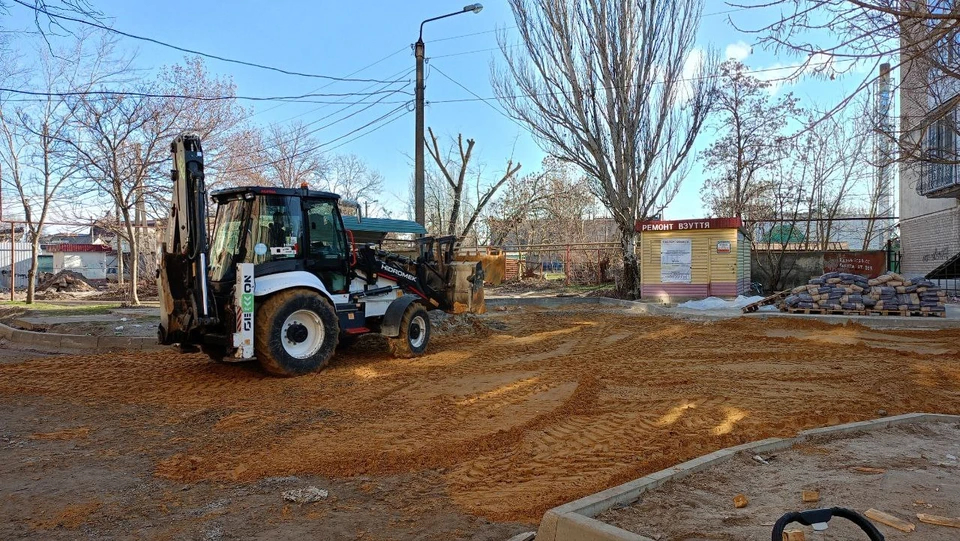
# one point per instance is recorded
(676, 257)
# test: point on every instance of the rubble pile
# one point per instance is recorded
(65, 281)
(854, 293)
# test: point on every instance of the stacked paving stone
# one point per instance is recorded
(840, 291)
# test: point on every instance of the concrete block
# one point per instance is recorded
(594, 504)
(30, 338)
(118, 342)
(5, 332)
(874, 424)
(525, 536)
(78, 341)
(547, 531)
(576, 527)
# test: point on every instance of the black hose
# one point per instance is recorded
(815, 516)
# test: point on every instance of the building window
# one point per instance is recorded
(941, 155)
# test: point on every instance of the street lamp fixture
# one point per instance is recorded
(419, 174)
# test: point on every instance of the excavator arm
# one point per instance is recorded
(186, 304)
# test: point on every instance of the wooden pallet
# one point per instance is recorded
(824, 311)
(904, 313)
(772, 299)
(867, 312)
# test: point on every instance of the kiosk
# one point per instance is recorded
(687, 259)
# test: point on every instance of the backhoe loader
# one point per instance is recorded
(281, 281)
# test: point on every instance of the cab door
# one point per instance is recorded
(327, 254)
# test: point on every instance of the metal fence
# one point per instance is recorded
(19, 253)
(574, 264)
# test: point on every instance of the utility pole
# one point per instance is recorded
(418, 165)
(419, 173)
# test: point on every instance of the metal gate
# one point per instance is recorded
(893, 255)
(21, 256)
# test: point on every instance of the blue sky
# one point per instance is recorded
(339, 38)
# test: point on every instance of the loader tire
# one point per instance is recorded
(295, 332)
(414, 333)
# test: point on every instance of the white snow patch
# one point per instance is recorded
(716, 303)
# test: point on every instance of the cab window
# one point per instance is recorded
(326, 230)
(277, 225)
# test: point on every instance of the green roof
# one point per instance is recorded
(383, 225)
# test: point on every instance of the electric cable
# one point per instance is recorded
(191, 51)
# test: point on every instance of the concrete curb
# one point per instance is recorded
(574, 520)
(655, 309)
(45, 341)
(554, 302)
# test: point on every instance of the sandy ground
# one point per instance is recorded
(919, 475)
(474, 440)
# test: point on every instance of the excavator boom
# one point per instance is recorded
(185, 302)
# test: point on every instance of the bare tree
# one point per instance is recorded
(837, 37)
(750, 125)
(36, 149)
(350, 177)
(454, 166)
(542, 207)
(776, 235)
(123, 145)
(618, 88)
(291, 156)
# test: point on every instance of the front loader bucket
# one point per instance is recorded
(466, 285)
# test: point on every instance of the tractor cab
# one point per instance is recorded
(279, 230)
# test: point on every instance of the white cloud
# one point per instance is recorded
(693, 62)
(691, 69)
(738, 51)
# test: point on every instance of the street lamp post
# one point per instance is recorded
(418, 52)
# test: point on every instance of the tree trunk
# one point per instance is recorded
(32, 273)
(630, 287)
(134, 299)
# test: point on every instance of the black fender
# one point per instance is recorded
(391, 319)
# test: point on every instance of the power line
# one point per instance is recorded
(734, 10)
(114, 93)
(325, 126)
(486, 101)
(383, 125)
(473, 34)
(475, 51)
(684, 80)
(368, 66)
(278, 144)
(191, 51)
(347, 104)
(316, 147)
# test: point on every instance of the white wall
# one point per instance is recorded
(92, 265)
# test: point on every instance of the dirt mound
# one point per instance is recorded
(444, 324)
(65, 281)
(146, 291)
